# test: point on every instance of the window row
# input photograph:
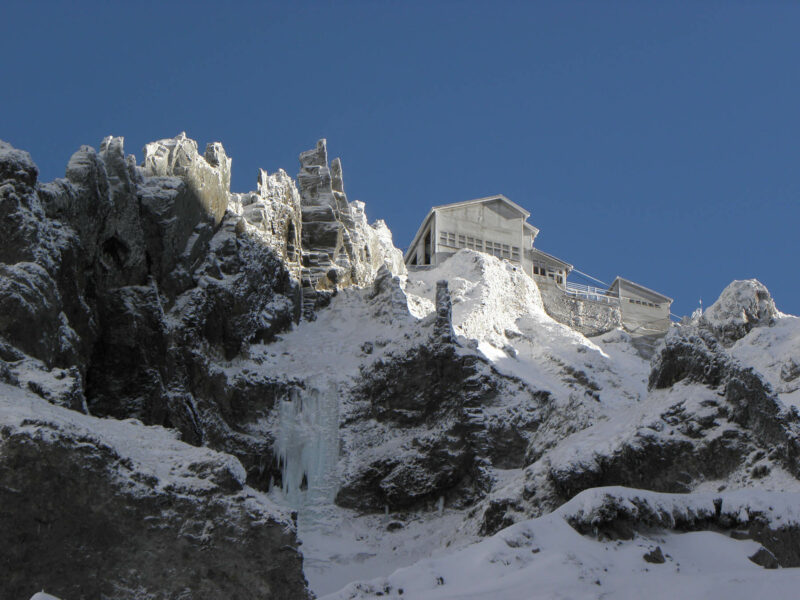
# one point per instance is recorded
(556, 275)
(643, 303)
(453, 240)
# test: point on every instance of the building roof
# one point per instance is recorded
(549, 257)
(531, 228)
(639, 288)
(500, 197)
(417, 235)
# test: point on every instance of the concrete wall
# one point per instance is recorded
(586, 316)
(423, 252)
(492, 221)
(638, 316)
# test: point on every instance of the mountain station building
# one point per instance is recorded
(496, 225)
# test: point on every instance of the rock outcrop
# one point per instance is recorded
(125, 289)
(342, 249)
(95, 508)
(741, 306)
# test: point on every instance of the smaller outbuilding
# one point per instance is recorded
(643, 311)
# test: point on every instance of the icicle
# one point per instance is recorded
(440, 505)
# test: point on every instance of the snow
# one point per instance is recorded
(546, 558)
(741, 303)
(771, 351)
(43, 596)
(599, 401)
(498, 310)
(146, 453)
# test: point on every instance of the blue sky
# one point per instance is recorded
(659, 141)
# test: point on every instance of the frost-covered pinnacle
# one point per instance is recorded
(443, 328)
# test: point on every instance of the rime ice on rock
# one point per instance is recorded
(443, 327)
(741, 306)
(208, 176)
(340, 248)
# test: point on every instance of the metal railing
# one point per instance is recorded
(589, 292)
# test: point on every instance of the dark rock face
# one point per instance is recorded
(120, 288)
(694, 355)
(135, 276)
(437, 396)
(83, 519)
(621, 513)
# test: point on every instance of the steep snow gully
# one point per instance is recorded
(206, 394)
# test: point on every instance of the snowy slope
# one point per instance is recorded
(600, 403)
(547, 558)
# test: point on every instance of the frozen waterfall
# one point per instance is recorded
(307, 444)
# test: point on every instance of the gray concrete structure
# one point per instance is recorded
(643, 311)
(496, 225)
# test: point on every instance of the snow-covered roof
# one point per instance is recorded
(639, 288)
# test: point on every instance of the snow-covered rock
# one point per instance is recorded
(696, 546)
(102, 508)
(396, 412)
(208, 176)
(742, 306)
(342, 249)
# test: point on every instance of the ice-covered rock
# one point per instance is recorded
(208, 177)
(340, 248)
(742, 306)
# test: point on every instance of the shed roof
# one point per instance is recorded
(549, 257)
(614, 287)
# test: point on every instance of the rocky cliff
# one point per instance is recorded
(202, 361)
(125, 288)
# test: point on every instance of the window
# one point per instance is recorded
(514, 253)
(495, 249)
(447, 239)
(462, 241)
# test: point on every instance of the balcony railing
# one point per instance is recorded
(588, 292)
